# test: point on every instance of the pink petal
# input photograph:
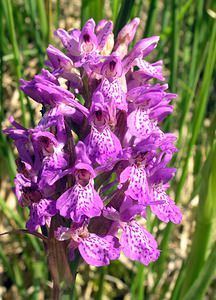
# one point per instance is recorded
(167, 211)
(98, 251)
(138, 244)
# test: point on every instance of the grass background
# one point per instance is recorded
(187, 267)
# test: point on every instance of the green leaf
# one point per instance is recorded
(201, 284)
(124, 15)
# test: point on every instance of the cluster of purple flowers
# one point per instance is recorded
(98, 158)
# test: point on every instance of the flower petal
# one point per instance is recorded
(79, 201)
(103, 147)
(139, 123)
(138, 244)
(167, 211)
(98, 251)
(40, 213)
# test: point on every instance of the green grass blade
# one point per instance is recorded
(174, 55)
(49, 20)
(42, 19)
(92, 9)
(115, 4)
(206, 215)
(1, 71)
(8, 157)
(124, 15)
(151, 19)
(101, 274)
(174, 47)
(58, 13)
(181, 14)
(17, 62)
(200, 107)
(198, 289)
(194, 70)
(178, 283)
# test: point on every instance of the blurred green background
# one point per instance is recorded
(187, 266)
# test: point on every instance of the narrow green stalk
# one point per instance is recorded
(186, 103)
(96, 10)
(206, 215)
(7, 153)
(124, 15)
(150, 23)
(194, 70)
(43, 19)
(138, 286)
(39, 43)
(137, 10)
(201, 284)
(49, 19)
(115, 8)
(101, 272)
(200, 107)
(175, 46)
(197, 122)
(164, 22)
(174, 54)
(1, 71)
(142, 276)
(17, 62)
(19, 278)
(181, 14)
(92, 9)
(178, 283)
(58, 12)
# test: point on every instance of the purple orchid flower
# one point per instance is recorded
(82, 199)
(95, 250)
(98, 158)
(45, 89)
(29, 195)
(125, 37)
(166, 211)
(151, 106)
(102, 144)
(85, 45)
(136, 242)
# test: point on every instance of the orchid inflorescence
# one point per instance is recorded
(98, 158)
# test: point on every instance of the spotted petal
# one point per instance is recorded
(113, 93)
(40, 213)
(138, 186)
(148, 70)
(103, 34)
(80, 201)
(138, 244)
(98, 251)
(103, 147)
(167, 211)
(139, 123)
